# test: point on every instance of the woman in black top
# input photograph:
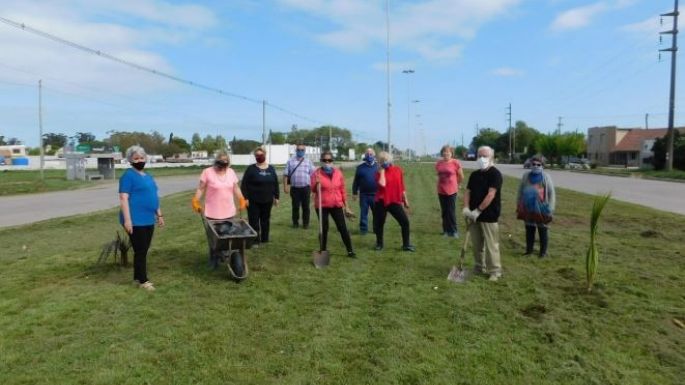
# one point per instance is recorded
(260, 188)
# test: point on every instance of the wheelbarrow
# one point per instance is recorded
(228, 239)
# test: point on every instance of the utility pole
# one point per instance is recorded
(408, 72)
(330, 138)
(647, 121)
(387, 66)
(559, 125)
(263, 122)
(512, 148)
(40, 127)
(671, 100)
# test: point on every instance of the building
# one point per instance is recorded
(627, 147)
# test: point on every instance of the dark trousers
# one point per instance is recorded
(339, 218)
(380, 211)
(259, 216)
(530, 239)
(365, 205)
(140, 240)
(448, 208)
(300, 197)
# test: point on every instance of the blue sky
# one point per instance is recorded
(590, 62)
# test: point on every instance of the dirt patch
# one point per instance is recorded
(535, 311)
(650, 234)
(568, 273)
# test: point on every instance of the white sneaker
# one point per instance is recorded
(147, 286)
(495, 277)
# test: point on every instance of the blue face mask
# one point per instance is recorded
(328, 169)
(536, 170)
(369, 159)
(386, 164)
(299, 153)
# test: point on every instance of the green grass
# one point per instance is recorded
(385, 318)
(15, 182)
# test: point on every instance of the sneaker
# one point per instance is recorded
(543, 255)
(453, 235)
(379, 246)
(409, 248)
(527, 253)
(351, 254)
(494, 277)
(147, 285)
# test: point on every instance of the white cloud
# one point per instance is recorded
(579, 17)
(433, 29)
(81, 21)
(507, 72)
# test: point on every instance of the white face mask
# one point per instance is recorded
(483, 162)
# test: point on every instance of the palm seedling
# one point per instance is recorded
(592, 257)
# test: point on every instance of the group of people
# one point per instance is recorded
(378, 185)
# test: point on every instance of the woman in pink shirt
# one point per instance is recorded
(219, 185)
(333, 200)
(450, 174)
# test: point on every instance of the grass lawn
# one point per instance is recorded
(384, 318)
(17, 182)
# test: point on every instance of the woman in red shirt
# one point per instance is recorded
(450, 175)
(333, 200)
(390, 198)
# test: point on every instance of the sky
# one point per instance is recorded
(317, 62)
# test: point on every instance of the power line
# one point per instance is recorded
(149, 70)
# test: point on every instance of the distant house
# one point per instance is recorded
(627, 147)
(199, 154)
(14, 150)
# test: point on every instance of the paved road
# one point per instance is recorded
(666, 196)
(23, 209)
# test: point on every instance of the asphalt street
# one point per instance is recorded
(24, 209)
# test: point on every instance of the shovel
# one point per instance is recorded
(458, 274)
(320, 258)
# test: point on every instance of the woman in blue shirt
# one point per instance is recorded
(139, 212)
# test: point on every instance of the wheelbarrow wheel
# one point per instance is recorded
(236, 266)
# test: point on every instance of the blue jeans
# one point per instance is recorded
(365, 204)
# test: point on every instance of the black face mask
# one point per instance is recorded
(220, 164)
(138, 165)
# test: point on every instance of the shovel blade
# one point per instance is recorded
(457, 275)
(321, 259)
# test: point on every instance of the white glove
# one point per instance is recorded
(466, 212)
(474, 214)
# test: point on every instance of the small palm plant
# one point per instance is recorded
(592, 258)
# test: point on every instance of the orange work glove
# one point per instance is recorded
(195, 204)
(243, 203)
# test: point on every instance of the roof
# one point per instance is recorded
(632, 141)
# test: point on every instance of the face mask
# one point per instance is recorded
(221, 164)
(483, 162)
(386, 164)
(299, 153)
(328, 169)
(536, 170)
(138, 165)
(369, 158)
(260, 158)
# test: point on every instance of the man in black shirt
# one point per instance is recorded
(482, 206)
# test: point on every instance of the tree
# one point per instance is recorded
(659, 149)
(240, 146)
(55, 141)
(525, 138)
(84, 137)
(277, 137)
(181, 143)
(460, 152)
(486, 137)
(196, 142)
(2, 141)
(554, 146)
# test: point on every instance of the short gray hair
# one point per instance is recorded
(372, 150)
(134, 150)
(491, 152)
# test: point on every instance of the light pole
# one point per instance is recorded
(408, 72)
(387, 65)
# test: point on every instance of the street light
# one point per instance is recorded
(408, 72)
(387, 65)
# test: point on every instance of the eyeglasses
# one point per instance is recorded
(327, 160)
